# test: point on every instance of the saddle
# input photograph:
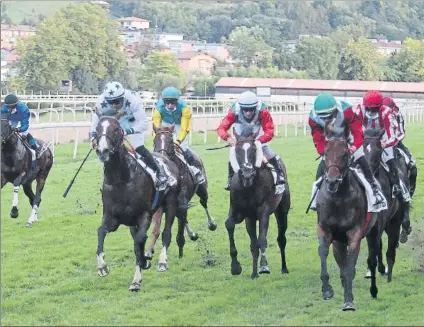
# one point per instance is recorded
(194, 171)
(162, 165)
(43, 148)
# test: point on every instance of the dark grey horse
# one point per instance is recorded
(253, 198)
(163, 143)
(130, 198)
(397, 209)
(16, 168)
(343, 219)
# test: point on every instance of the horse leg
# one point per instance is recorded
(380, 265)
(41, 180)
(392, 231)
(373, 240)
(180, 234)
(230, 226)
(324, 245)
(406, 224)
(157, 220)
(14, 213)
(183, 208)
(281, 217)
(254, 248)
(262, 242)
(412, 180)
(29, 193)
(139, 235)
(3, 181)
(202, 192)
(171, 210)
(348, 270)
(102, 269)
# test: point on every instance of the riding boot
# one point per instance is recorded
(394, 177)
(408, 153)
(230, 176)
(33, 145)
(363, 163)
(150, 161)
(189, 157)
(275, 162)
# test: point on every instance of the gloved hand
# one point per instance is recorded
(231, 141)
(94, 143)
(352, 149)
(16, 129)
(177, 142)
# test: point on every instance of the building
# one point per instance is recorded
(133, 23)
(164, 39)
(292, 90)
(217, 50)
(10, 34)
(386, 47)
(192, 61)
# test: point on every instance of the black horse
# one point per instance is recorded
(392, 217)
(253, 198)
(17, 168)
(130, 198)
(343, 219)
(163, 143)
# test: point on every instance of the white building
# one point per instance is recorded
(134, 23)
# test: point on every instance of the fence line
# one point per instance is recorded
(205, 123)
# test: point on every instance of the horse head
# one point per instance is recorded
(6, 130)
(336, 156)
(249, 157)
(164, 140)
(372, 147)
(110, 137)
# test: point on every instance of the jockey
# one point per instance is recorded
(250, 115)
(126, 106)
(19, 114)
(375, 115)
(388, 101)
(170, 110)
(326, 107)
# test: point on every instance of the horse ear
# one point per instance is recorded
(255, 135)
(172, 128)
(155, 129)
(328, 129)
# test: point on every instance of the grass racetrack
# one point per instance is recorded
(48, 272)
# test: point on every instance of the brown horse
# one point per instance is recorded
(342, 218)
(17, 168)
(253, 198)
(397, 209)
(130, 198)
(164, 144)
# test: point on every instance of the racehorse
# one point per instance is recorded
(130, 198)
(343, 219)
(397, 209)
(18, 169)
(164, 144)
(253, 198)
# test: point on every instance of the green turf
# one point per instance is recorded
(49, 272)
(18, 10)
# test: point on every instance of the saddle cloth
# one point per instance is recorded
(405, 192)
(367, 187)
(193, 170)
(171, 181)
(43, 148)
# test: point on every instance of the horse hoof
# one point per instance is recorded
(382, 270)
(236, 269)
(162, 267)
(389, 278)
(14, 213)
(194, 237)
(254, 275)
(103, 271)
(374, 291)
(149, 254)
(29, 225)
(264, 270)
(349, 306)
(134, 287)
(327, 294)
(403, 236)
(212, 226)
(148, 265)
(284, 270)
(368, 274)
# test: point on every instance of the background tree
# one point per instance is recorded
(79, 42)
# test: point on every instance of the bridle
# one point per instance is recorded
(118, 143)
(343, 174)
